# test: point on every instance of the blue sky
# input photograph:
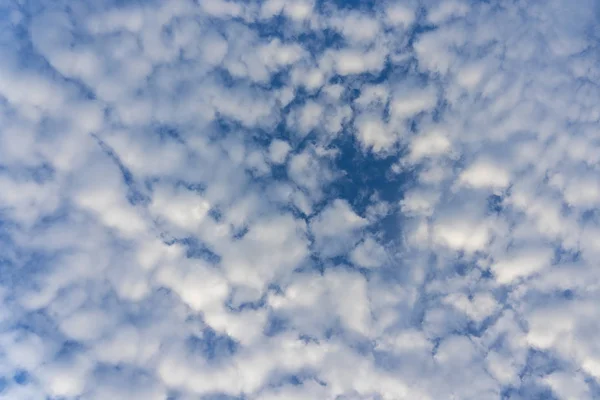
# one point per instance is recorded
(299, 199)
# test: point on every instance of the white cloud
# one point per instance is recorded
(308, 172)
(419, 201)
(447, 10)
(102, 192)
(470, 76)
(306, 118)
(198, 285)
(484, 174)
(433, 49)
(350, 61)
(409, 102)
(222, 8)
(463, 235)
(182, 208)
(272, 247)
(346, 24)
(313, 303)
(522, 263)
(399, 14)
(372, 95)
(276, 55)
(290, 199)
(369, 254)
(298, 9)
(336, 228)
(477, 307)
(278, 151)
(310, 77)
(374, 134)
(430, 144)
(567, 386)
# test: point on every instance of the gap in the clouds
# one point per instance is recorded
(275, 325)
(307, 339)
(494, 204)
(10, 253)
(221, 396)
(68, 350)
(216, 213)
(39, 174)
(554, 296)
(464, 265)
(298, 378)
(313, 263)
(128, 3)
(529, 390)
(31, 266)
(589, 216)
(36, 322)
(477, 329)
(564, 255)
(196, 249)
(425, 299)
(248, 305)
(389, 228)
(28, 57)
(353, 84)
(263, 137)
(439, 110)
(43, 173)
(168, 132)
(21, 377)
(277, 80)
(567, 294)
(344, 263)
(123, 375)
(593, 385)
(211, 346)
(18, 34)
(227, 80)
(134, 195)
(274, 27)
(240, 232)
(235, 304)
(365, 174)
(301, 96)
(420, 28)
(316, 42)
(436, 345)
(345, 5)
(197, 187)
(224, 127)
(539, 363)
(391, 74)
(279, 173)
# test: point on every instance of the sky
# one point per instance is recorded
(299, 199)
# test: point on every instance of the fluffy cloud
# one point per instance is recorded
(299, 200)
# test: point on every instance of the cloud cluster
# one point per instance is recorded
(297, 199)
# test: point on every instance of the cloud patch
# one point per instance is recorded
(298, 199)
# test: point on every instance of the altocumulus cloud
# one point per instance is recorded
(299, 199)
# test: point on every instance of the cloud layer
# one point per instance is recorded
(295, 199)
